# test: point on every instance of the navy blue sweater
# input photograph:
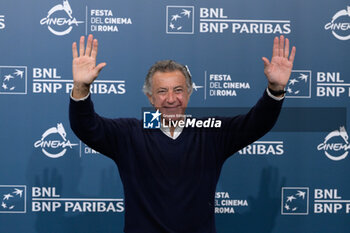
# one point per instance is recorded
(169, 185)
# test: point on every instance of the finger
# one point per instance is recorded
(266, 61)
(100, 66)
(88, 45)
(275, 47)
(81, 46)
(281, 46)
(74, 50)
(94, 48)
(286, 48)
(292, 54)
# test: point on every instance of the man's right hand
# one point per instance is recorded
(85, 70)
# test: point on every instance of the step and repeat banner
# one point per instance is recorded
(294, 179)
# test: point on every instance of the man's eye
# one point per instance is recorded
(178, 90)
(161, 91)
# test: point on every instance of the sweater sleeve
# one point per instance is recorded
(101, 134)
(242, 130)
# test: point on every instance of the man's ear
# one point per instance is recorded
(150, 99)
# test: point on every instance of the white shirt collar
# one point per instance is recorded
(178, 130)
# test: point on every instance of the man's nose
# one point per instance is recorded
(171, 98)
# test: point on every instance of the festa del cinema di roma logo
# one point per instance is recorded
(333, 148)
(52, 146)
(55, 21)
(340, 24)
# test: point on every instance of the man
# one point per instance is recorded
(169, 176)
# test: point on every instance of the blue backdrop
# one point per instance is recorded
(294, 179)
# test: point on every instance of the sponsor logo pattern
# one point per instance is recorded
(104, 20)
(13, 198)
(336, 145)
(263, 148)
(224, 204)
(54, 142)
(299, 85)
(340, 24)
(222, 85)
(180, 20)
(48, 81)
(60, 20)
(13, 80)
(57, 21)
(331, 84)
(295, 201)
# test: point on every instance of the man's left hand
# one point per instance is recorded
(279, 69)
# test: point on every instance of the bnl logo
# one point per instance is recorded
(295, 201)
(299, 84)
(13, 80)
(179, 19)
(13, 198)
(151, 120)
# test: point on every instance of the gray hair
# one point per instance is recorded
(166, 66)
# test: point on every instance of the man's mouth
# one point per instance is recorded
(171, 107)
(175, 106)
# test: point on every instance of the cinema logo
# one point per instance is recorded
(214, 20)
(336, 145)
(340, 24)
(225, 205)
(104, 20)
(263, 148)
(48, 81)
(54, 142)
(297, 200)
(57, 21)
(46, 199)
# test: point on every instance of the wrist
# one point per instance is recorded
(80, 90)
(277, 92)
(278, 98)
(276, 87)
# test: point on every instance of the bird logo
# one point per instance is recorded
(180, 19)
(11, 80)
(294, 200)
(299, 85)
(11, 199)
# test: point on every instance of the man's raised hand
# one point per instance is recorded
(279, 69)
(85, 70)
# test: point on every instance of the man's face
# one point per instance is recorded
(169, 93)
